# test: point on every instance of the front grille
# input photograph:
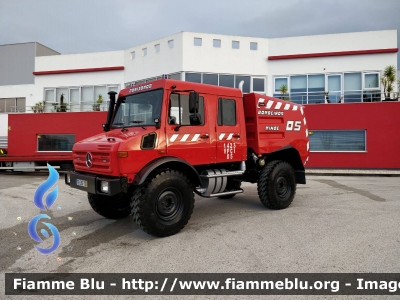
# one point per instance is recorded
(101, 161)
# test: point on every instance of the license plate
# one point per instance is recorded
(82, 183)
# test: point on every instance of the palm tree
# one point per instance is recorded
(387, 79)
(283, 90)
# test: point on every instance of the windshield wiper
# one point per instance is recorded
(138, 122)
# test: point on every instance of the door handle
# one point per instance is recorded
(236, 136)
(204, 136)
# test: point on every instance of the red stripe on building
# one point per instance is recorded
(340, 53)
(79, 70)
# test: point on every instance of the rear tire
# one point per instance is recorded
(110, 207)
(162, 206)
(277, 185)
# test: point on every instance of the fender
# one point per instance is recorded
(292, 156)
(168, 162)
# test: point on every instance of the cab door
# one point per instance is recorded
(187, 138)
(228, 131)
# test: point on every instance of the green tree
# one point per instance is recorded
(283, 90)
(387, 80)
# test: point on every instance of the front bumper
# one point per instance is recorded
(93, 183)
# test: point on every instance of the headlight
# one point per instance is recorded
(68, 178)
(104, 186)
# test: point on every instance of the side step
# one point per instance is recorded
(201, 192)
(224, 174)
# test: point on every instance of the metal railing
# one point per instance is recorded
(52, 107)
(347, 97)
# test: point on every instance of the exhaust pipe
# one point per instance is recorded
(241, 83)
(106, 126)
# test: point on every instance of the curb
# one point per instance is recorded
(369, 173)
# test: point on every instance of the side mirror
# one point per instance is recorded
(106, 127)
(193, 102)
(158, 123)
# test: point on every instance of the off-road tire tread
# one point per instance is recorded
(139, 198)
(264, 192)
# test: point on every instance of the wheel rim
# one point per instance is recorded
(169, 204)
(283, 188)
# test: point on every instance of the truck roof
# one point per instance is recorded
(182, 85)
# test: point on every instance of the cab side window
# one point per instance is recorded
(226, 112)
(179, 113)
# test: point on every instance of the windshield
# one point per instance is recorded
(139, 109)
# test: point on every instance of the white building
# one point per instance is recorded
(347, 65)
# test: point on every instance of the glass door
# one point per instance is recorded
(334, 84)
(74, 99)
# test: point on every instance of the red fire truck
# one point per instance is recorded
(166, 140)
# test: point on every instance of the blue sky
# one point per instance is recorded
(76, 26)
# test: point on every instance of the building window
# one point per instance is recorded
(157, 47)
(49, 95)
(371, 81)
(78, 98)
(372, 92)
(259, 85)
(193, 77)
(217, 43)
(227, 80)
(352, 81)
(298, 84)
(133, 55)
(144, 51)
(253, 46)
(298, 89)
(352, 87)
(171, 43)
(210, 79)
(11, 105)
(175, 76)
(55, 142)
(337, 140)
(226, 112)
(316, 88)
(279, 82)
(334, 87)
(235, 44)
(197, 41)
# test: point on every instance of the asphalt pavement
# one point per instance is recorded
(335, 224)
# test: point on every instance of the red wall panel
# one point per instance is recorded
(24, 129)
(381, 121)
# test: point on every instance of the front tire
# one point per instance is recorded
(277, 185)
(110, 207)
(162, 206)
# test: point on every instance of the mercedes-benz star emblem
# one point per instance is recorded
(89, 160)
